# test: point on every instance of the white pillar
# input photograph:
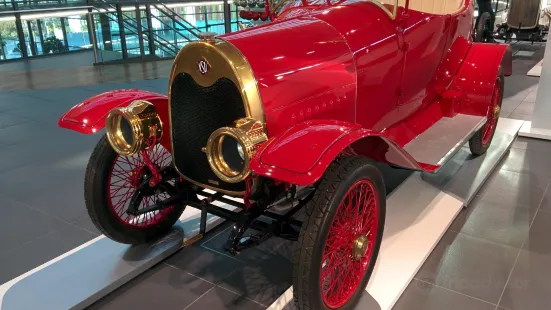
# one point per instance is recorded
(540, 127)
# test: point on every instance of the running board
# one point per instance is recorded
(439, 143)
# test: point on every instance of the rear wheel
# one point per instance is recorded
(110, 183)
(340, 238)
(481, 141)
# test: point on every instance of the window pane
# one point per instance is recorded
(9, 43)
(77, 32)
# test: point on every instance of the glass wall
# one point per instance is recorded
(12, 5)
(120, 32)
(9, 42)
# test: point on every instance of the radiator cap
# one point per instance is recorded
(207, 37)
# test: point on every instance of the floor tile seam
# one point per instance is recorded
(522, 246)
(215, 235)
(241, 295)
(40, 210)
(499, 204)
(227, 255)
(525, 149)
(51, 232)
(27, 120)
(453, 291)
(529, 173)
(483, 239)
(210, 289)
(189, 273)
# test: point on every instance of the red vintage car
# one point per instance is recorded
(294, 114)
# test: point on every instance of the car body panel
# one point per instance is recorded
(349, 77)
(88, 117)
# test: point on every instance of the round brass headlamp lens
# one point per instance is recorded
(133, 128)
(230, 149)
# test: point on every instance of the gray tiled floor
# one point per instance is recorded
(41, 176)
(497, 251)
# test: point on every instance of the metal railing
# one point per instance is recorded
(16, 5)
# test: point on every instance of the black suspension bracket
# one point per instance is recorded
(279, 225)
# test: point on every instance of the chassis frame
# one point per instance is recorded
(282, 225)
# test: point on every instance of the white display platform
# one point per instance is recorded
(530, 132)
(89, 272)
(540, 127)
(536, 71)
(418, 215)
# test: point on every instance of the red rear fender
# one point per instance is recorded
(302, 154)
(88, 117)
(477, 77)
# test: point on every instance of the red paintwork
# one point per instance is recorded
(125, 177)
(489, 127)
(88, 117)
(347, 77)
(318, 142)
(408, 73)
(357, 215)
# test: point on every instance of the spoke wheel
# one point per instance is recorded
(110, 183)
(482, 139)
(349, 245)
(493, 115)
(127, 173)
(340, 238)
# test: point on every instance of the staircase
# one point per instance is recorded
(136, 36)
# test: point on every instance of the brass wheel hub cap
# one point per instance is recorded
(496, 111)
(361, 244)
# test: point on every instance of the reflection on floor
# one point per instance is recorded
(495, 254)
(70, 71)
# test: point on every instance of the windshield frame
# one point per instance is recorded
(392, 14)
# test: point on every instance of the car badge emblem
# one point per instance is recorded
(203, 66)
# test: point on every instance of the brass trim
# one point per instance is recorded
(392, 14)
(496, 111)
(361, 245)
(249, 133)
(207, 36)
(194, 239)
(145, 123)
(228, 62)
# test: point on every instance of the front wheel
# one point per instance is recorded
(482, 139)
(340, 239)
(111, 182)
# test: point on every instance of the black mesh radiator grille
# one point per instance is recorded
(196, 112)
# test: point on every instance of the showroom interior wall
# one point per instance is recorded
(36, 28)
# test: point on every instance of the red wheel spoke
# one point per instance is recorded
(341, 271)
(126, 174)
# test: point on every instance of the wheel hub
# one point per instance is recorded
(361, 245)
(496, 111)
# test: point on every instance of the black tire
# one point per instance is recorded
(320, 211)
(476, 143)
(96, 198)
(482, 31)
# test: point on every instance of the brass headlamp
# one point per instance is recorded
(230, 149)
(133, 128)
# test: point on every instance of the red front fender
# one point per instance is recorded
(88, 117)
(303, 153)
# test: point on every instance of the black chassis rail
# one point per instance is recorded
(282, 225)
